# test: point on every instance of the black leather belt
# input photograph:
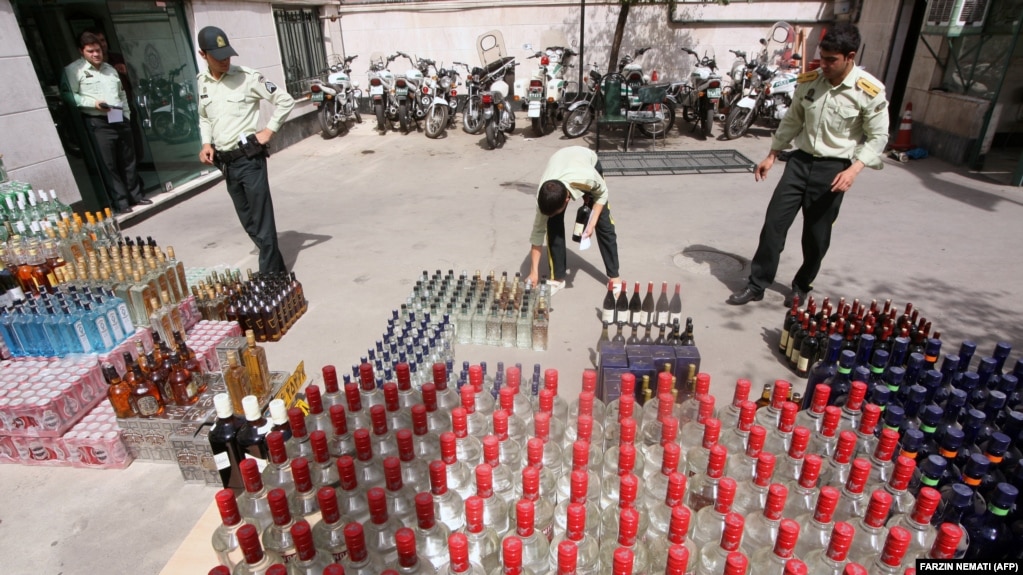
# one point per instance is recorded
(813, 158)
(229, 156)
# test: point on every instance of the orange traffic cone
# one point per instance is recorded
(904, 139)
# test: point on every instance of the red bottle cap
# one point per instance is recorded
(330, 378)
(346, 472)
(747, 414)
(742, 387)
(580, 485)
(448, 448)
(586, 400)
(664, 383)
(857, 392)
(576, 521)
(507, 397)
(821, 393)
(736, 564)
(787, 421)
(795, 567)
(627, 490)
(857, 569)
(406, 448)
(800, 440)
(476, 377)
(672, 455)
(868, 422)
(542, 425)
(844, 449)
(228, 507)
(546, 400)
(460, 421)
(355, 540)
(363, 447)
(676, 489)
(484, 480)
(945, 544)
(222, 570)
(627, 385)
(326, 496)
(392, 473)
(732, 534)
(626, 458)
(405, 540)
(858, 474)
(429, 392)
(315, 400)
(726, 495)
(440, 376)
(895, 546)
(275, 446)
(776, 496)
(589, 380)
(524, 513)
(580, 454)
(785, 542)
(627, 430)
(318, 441)
(711, 432)
(491, 451)
(626, 407)
(887, 444)
(278, 501)
(764, 469)
(584, 427)
(401, 372)
(665, 405)
(458, 552)
(512, 376)
(501, 423)
(829, 424)
(811, 471)
(706, 410)
(628, 526)
(781, 393)
(338, 419)
(926, 502)
(550, 380)
(511, 552)
(679, 524)
(468, 396)
(841, 538)
(716, 462)
(755, 441)
(678, 560)
(300, 472)
(827, 499)
(378, 418)
(567, 556)
(438, 477)
(534, 452)
(391, 397)
(303, 537)
(250, 475)
(366, 377)
(377, 500)
(297, 420)
(622, 561)
(248, 540)
(902, 473)
(877, 509)
(474, 513)
(530, 483)
(353, 398)
(702, 383)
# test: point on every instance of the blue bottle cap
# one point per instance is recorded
(1004, 496)
(931, 415)
(917, 393)
(894, 376)
(950, 363)
(894, 416)
(1002, 350)
(835, 341)
(997, 444)
(1008, 383)
(847, 359)
(934, 466)
(956, 399)
(880, 358)
(881, 395)
(969, 381)
(912, 440)
(995, 400)
(932, 348)
(1017, 369)
(861, 373)
(974, 419)
(968, 347)
(977, 466)
(960, 496)
(916, 359)
(952, 439)
(931, 379)
(988, 365)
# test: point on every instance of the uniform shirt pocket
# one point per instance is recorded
(231, 105)
(842, 118)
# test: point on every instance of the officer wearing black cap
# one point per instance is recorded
(229, 99)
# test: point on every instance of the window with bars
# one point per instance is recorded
(303, 54)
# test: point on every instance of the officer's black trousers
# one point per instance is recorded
(116, 149)
(607, 241)
(805, 186)
(249, 186)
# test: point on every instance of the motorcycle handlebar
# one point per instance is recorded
(641, 51)
(351, 58)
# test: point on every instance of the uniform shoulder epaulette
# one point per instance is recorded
(869, 87)
(808, 76)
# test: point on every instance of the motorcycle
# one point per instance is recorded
(771, 98)
(635, 78)
(442, 90)
(744, 78)
(497, 112)
(583, 111)
(169, 107)
(412, 103)
(477, 81)
(700, 97)
(337, 100)
(381, 91)
(546, 89)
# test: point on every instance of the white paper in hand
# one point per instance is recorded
(584, 244)
(115, 115)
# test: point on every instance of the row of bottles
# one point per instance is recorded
(164, 376)
(266, 304)
(503, 312)
(66, 320)
(25, 213)
(617, 308)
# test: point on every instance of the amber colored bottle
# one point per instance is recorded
(237, 381)
(181, 382)
(254, 360)
(158, 375)
(270, 322)
(296, 285)
(146, 398)
(118, 392)
(191, 362)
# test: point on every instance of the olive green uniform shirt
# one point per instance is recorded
(84, 85)
(574, 167)
(848, 121)
(229, 107)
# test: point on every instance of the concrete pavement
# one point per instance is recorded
(362, 215)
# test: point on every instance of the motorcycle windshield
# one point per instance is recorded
(779, 49)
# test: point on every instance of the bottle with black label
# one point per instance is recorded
(251, 437)
(226, 453)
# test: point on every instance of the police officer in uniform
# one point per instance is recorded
(94, 87)
(839, 124)
(229, 99)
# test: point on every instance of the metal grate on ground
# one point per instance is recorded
(673, 162)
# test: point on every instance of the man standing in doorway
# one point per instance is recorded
(572, 173)
(839, 124)
(229, 99)
(95, 88)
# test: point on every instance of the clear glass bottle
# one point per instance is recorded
(628, 525)
(308, 560)
(734, 438)
(340, 443)
(360, 560)
(256, 560)
(710, 521)
(852, 503)
(903, 499)
(535, 545)
(917, 523)
(225, 536)
(351, 496)
(729, 415)
(715, 555)
(767, 416)
(460, 475)
(790, 465)
(302, 501)
(813, 415)
(773, 560)
(586, 546)
(484, 544)
(870, 530)
(742, 464)
(409, 560)
(470, 450)
(381, 527)
(881, 463)
(661, 547)
(252, 502)
(779, 437)
(328, 532)
(835, 471)
(431, 535)
(832, 558)
(277, 536)
(458, 554)
(751, 494)
(703, 487)
(503, 478)
(762, 527)
(825, 439)
(449, 506)
(889, 562)
(368, 465)
(817, 526)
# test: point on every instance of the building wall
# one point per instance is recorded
(30, 146)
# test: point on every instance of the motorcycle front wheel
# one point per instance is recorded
(472, 115)
(707, 121)
(403, 117)
(174, 129)
(436, 121)
(660, 130)
(738, 122)
(329, 123)
(578, 122)
(358, 114)
(378, 109)
(511, 117)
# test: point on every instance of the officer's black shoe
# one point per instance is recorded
(144, 202)
(796, 292)
(745, 295)
(120, 211)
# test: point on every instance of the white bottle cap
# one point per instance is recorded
(222, 403)
(251, 406)
(278, 413)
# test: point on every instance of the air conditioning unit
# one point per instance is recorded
(952, 18)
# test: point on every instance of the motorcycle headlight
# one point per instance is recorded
(355, 83)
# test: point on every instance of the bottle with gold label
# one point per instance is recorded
(254, 360)
(178, 269)
(181, 382)
(237, 381)
(146, 398)
(159, 319)
(140, 296)
(118, 392)
(177, 324)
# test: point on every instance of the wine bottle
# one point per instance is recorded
(607, 312)
(646, 314)
(661, 307)
(582, 218)
(622, 306)
(675, 306)
(635, 306)
(226, 454)
(251, 437)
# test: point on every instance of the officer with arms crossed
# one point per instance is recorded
(839, 124)
(229, 99)
(95, 88)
